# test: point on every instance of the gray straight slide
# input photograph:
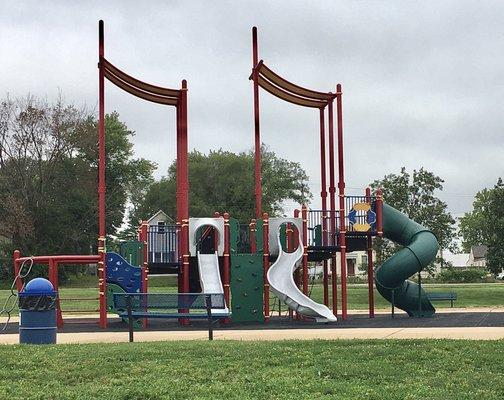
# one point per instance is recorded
(281, 280)
(210, 279)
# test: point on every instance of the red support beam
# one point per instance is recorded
(304, 216)
(370, 271)
(252, 235)
(227, 261)
(102, 265)
(183, 188)
(379, 212)
(332, 206)
(143, 238)
(215, 233)
(257, 132)
(297, 276)
(342, 215)
(323, 195)
(53, 278)
(16, 264)
(266, 264)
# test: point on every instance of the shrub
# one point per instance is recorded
(462, 275)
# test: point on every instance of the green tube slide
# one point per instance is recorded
(420, 248)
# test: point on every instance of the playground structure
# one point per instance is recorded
(245, 261)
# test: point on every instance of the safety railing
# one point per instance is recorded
(323, 226)
(162, 244)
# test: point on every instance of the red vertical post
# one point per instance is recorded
(297, 277)
(53, 278)
(216, 234)
(266, 263)
(252, 235)
(15, 258)
(290, 243)
(183, 188)
(145, 255)
(257, 132)
(370, 271)
(102, 267)
(180, 288)
(227, 260)
(143, 238)
(341, 187)
(379, 213)
(323, 195)
(304, 216)
(334, 283)
(332, 206)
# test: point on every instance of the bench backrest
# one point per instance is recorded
(168, 301)
(442, 296)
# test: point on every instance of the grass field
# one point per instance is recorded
(469, 295)
(406, 369)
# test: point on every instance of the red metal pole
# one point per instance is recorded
(297, 276)
(304, 216)
(370, 270)
(216, 234)
(341, 187)
(257, 143)
(252, 230)
(290, 243)
(379, 212)
(183, 187)
(53, 278)
(19, 283)
(323, 195)
(266, 263)
(332, 206)
(145, 261)
(102, 267)
(227, 260)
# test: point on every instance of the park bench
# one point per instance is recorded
(209, 306)
(443, 296)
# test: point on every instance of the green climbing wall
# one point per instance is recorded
(247, 287)
(246, 275)
(132, 252)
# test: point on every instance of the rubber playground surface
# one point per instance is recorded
(477, 324)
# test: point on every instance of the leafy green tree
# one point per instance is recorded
(485, 225)
(473, 226)
(48, 176)
(224, 181)
(414, 195)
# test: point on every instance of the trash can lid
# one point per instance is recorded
(37, 287)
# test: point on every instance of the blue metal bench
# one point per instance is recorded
(440, 296)
(209, 306)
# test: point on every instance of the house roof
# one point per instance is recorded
(163, 214)
(479, 251)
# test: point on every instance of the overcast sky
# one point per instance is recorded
(423, 81)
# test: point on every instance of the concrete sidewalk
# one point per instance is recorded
(479, 333)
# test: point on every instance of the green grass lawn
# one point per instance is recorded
(469, 295)
(372, 369)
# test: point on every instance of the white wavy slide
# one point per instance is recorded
(281, 280)
(210, 279)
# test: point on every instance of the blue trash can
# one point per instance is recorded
(37, 311)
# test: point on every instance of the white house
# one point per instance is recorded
(162, 238)
(475, 258)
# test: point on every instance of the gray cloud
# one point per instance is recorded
(423, 81)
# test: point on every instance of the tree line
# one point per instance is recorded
(48, 186)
